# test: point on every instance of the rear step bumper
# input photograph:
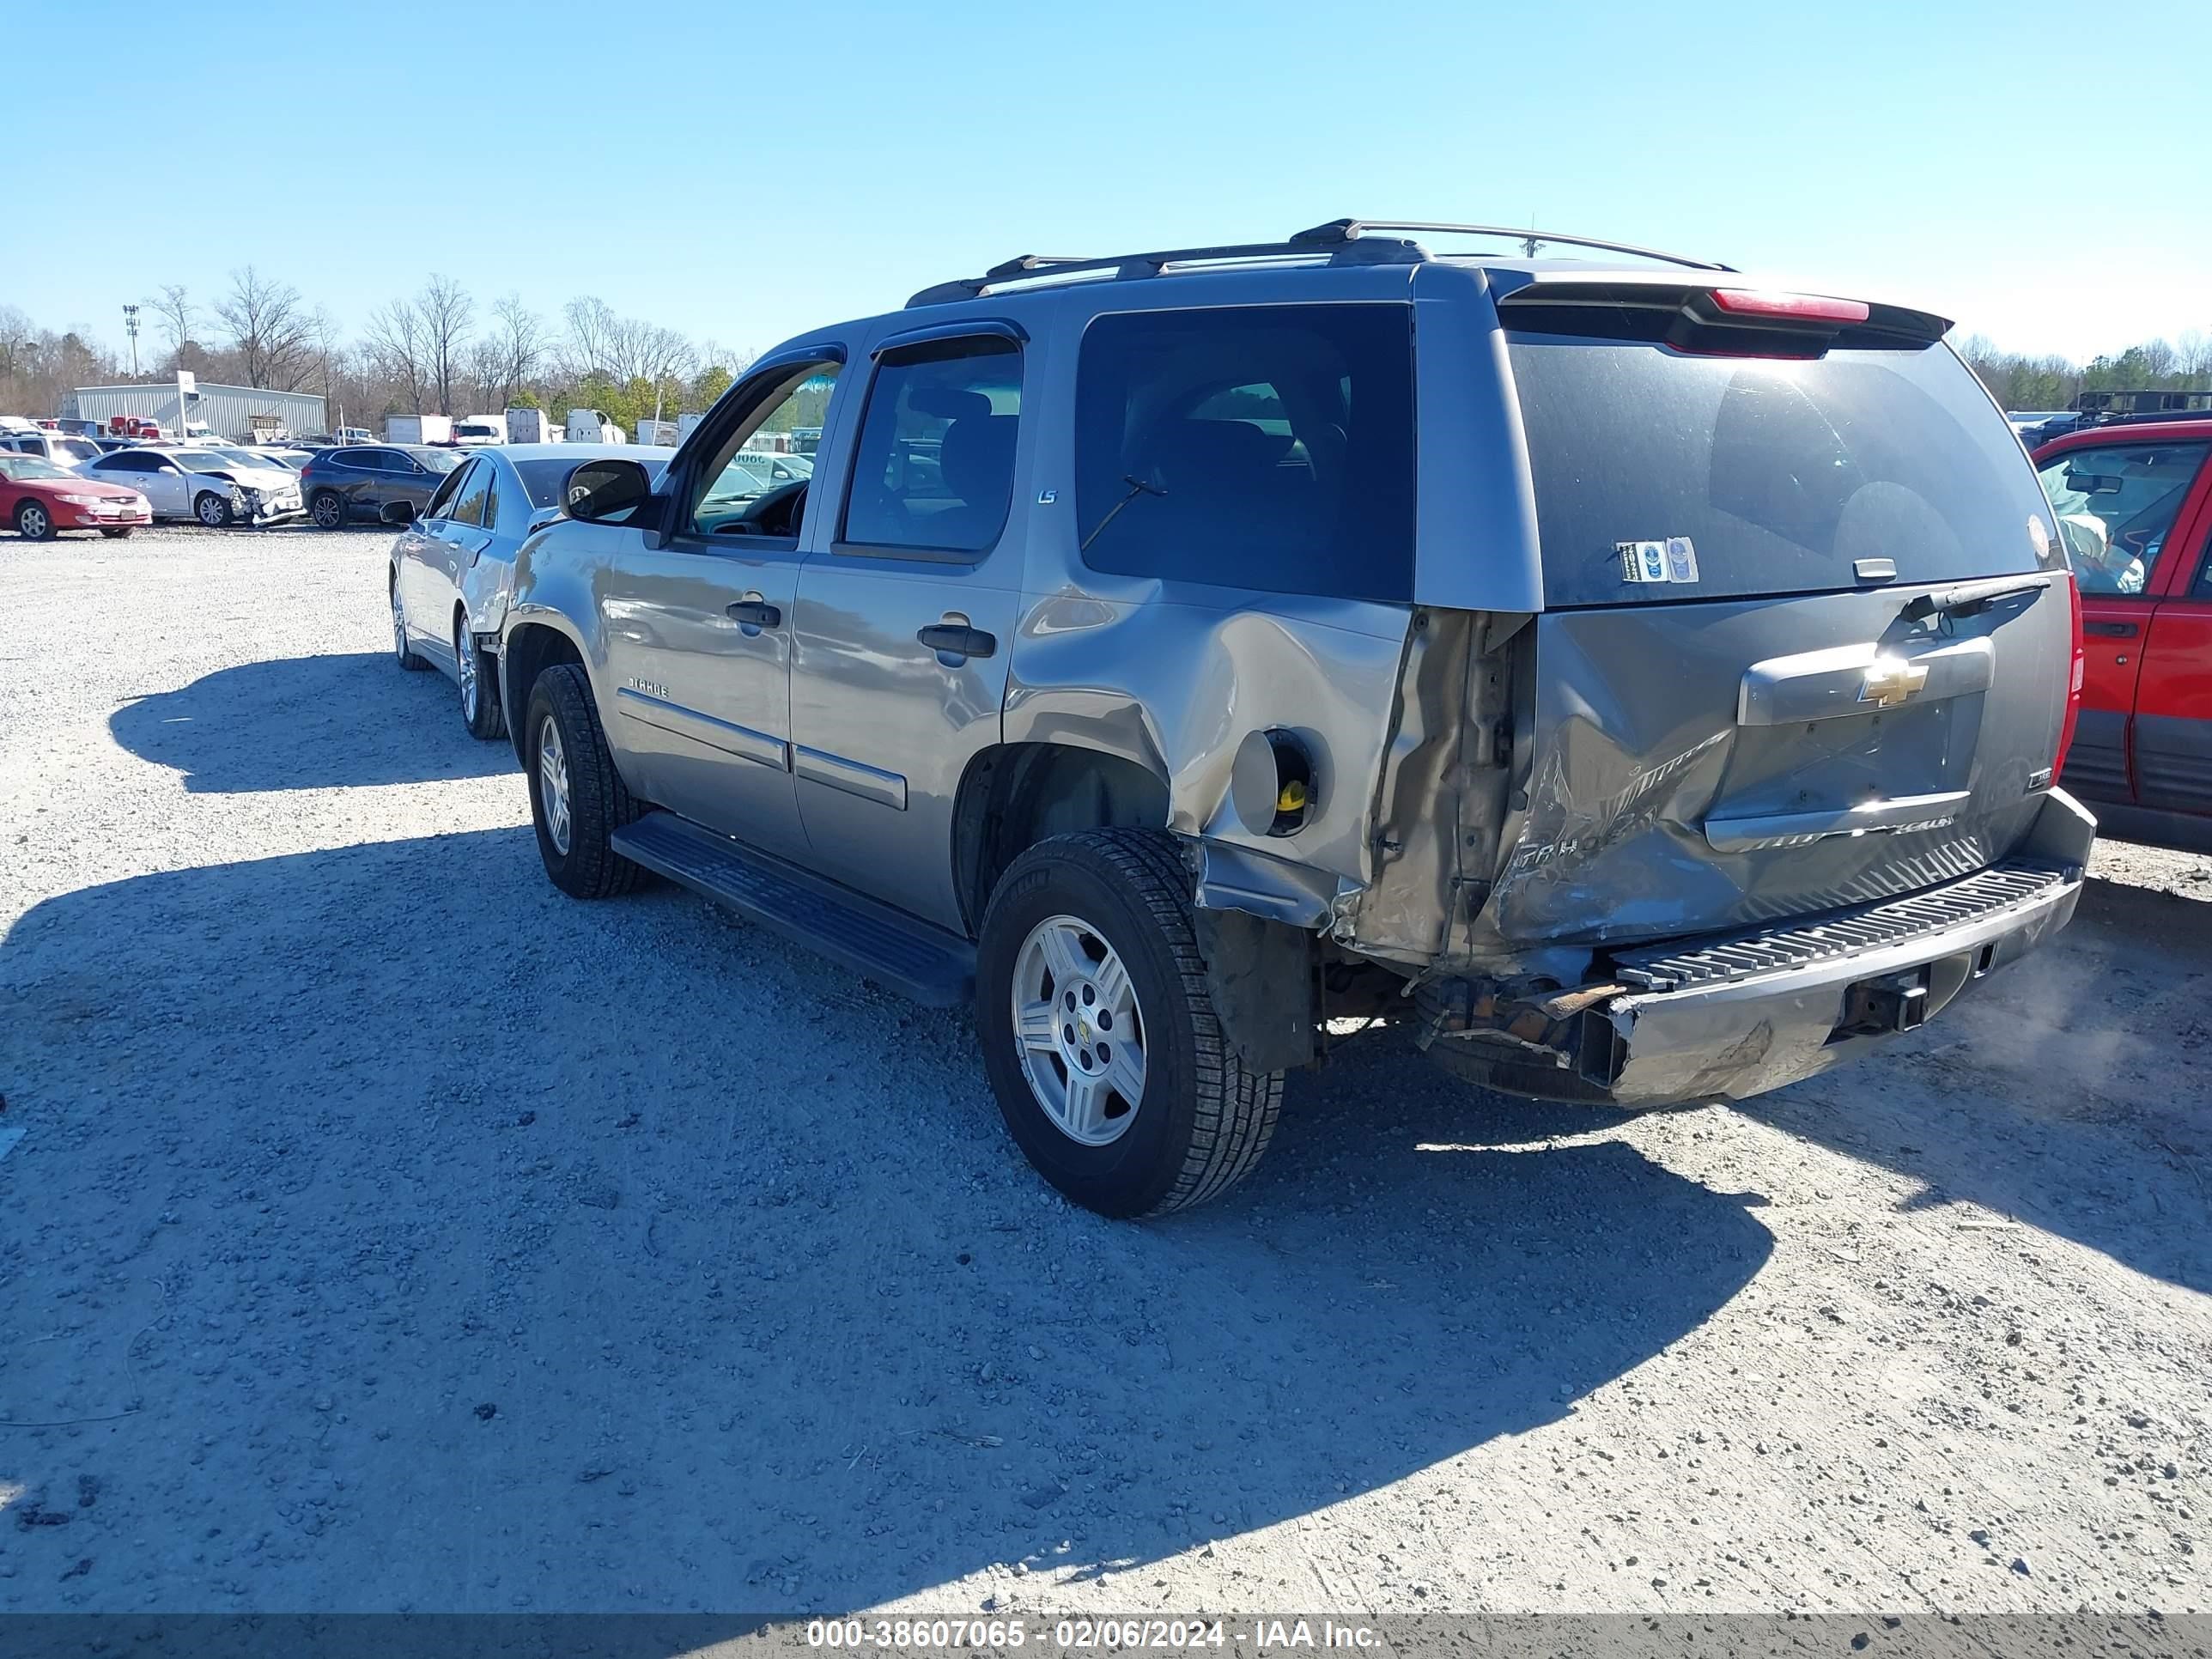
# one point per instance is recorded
(1727, 1019)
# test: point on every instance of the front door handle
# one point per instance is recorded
(754, 613)
(957, 640)
(2117, 630)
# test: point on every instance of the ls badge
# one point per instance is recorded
(1891, 680)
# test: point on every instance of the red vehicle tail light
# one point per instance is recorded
(1788, 307)
(2074, 681)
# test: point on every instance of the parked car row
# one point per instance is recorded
(1131, 661)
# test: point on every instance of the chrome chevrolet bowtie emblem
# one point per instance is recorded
(1891, 680)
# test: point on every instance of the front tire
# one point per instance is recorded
(118, 534)
(34, 522)
(212, 510)
(403, 652)
(577, 798)
(328, 510)
(1083, 926)
(477, 672)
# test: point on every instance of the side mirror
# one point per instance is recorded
(607, 491)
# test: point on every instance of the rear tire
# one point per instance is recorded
(477, 674)
(577, 798)
(328, 510)
(212, 510)
(34, 521)
(1202, 1119)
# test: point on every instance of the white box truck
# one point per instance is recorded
(591, 426)
(657, 432)
(418, 429)
(531, 425)
(686, 425)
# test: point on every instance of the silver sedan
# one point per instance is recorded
(453, 567)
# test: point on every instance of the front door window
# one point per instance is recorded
(2115, 505)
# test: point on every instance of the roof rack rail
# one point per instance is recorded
(1042, 265)
(1341, 241)
(1337, 231)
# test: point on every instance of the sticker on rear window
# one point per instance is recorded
(1675, 560)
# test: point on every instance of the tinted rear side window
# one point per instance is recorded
(1262, 446)
(1779, 476)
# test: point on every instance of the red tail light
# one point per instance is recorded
(2073, 684)
(1789, 308)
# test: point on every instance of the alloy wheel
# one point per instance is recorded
(553, 784)
(464, 665)
(1080, 1030)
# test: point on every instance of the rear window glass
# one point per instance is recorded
(1665, 477)
(1261, 446)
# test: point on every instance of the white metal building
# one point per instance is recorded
(226, 410)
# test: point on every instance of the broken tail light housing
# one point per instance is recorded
(2074, 681)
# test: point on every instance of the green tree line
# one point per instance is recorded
(2020, 382)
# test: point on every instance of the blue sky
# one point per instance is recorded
(743, 171)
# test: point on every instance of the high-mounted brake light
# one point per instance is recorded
(1793, 307)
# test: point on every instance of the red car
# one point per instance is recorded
(2134, 501)
(39, 499)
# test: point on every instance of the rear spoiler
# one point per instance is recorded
(1717, 318)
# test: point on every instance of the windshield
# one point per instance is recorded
(542, 480)
(472, 430)
(203, 460)
(75, 450)
(438, 460)
(1661, 476)
(31, 466)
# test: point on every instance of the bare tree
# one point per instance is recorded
(446, 313)
(519, 337)
(16, 338)
(176, 311)
(592, 327)
(2160, 357)
(483, 381)
(2195, 349)
(398, 345)
(270, 329)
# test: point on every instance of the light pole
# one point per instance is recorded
(130, 327)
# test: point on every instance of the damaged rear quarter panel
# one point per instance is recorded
(1175, 684)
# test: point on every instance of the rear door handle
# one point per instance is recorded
(955, 639)
(2117, 630)
(756, 614)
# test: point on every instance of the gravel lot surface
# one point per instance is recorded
(380, 1229)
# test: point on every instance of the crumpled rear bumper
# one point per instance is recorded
(1728, 1038)
(1728, 1018)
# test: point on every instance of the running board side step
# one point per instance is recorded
(926, 964)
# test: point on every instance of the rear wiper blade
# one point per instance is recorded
(1972, 598)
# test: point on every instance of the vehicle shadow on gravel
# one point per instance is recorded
(306, 723)
(637, 1258)
(2051, 1094)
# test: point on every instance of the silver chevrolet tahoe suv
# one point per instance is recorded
(1645, 684)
